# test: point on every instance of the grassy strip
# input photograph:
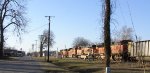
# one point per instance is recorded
(8, 58)
(82, 66)
(48, 67)
(74, 65)
(78, 65)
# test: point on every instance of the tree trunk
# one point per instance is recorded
(76, 48)
(1, 39)
(41, 50)
(107, 40)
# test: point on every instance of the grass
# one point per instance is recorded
(82, 66)
(48, 67)
(78, 65)
(75, 65)
(7, 58)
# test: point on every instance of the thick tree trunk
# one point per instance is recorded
(1, 39)
(107, 40)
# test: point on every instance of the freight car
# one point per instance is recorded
(140, 50)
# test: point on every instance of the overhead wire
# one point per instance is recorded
(113, 21)
(132, 21)
(37, 28)
(121, 11)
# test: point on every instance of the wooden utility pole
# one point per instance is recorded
(49, 18)
(57, 53)
(33, 54)
(36, 45)
(107, 40)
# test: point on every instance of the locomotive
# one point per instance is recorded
(121, 51)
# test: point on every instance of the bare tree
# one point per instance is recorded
(45, 38)
(11, 13)
(41, 45)
(126, 33)
(80, 41)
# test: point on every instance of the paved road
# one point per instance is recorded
(21, 65)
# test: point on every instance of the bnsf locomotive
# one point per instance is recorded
(123, 50)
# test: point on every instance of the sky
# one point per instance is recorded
(79, 18)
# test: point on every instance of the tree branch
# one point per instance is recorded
(5, 9)
(9, 25)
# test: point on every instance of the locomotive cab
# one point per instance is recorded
(125, 54)
(120, 50)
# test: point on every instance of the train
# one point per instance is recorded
(140, 50)
(125, 50)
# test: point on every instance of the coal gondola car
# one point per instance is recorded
(140, 50)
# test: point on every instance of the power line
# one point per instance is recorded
(37, 28)
(132, 20)
(121, 12)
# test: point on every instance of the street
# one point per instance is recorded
(21, 65)
(27, 65)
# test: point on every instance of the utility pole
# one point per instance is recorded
(33, 47)
(57, 53)
(36, 45)
(33, 50)
(107, 40)
(49, 18)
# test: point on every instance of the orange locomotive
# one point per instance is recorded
(119, 51)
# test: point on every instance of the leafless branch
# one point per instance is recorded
(12, 13)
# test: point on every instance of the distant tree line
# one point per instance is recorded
(125, 33)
